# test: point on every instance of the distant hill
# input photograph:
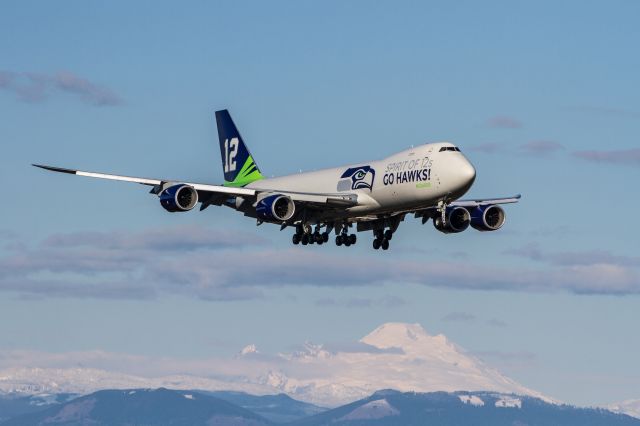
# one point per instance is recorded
(143, 407)
(163, 407)
(276, 408)
(15, 404)
(387, 408)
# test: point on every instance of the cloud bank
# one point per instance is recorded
(627, 157)
(223, 265)
(38, 87)
(504, 122)
(541, 148)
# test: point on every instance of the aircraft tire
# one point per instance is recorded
(353, 239)
(338, 240)
(305, 239)
(318, 238)
(325, 237)
(376, 244)
(295, 239)
(385, 244)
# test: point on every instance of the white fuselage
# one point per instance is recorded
(412, 179)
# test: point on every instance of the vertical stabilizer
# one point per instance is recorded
(238, 165)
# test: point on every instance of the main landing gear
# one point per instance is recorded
(346, 239)
(305, 236)
(381, 239)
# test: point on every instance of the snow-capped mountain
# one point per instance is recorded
(629, 407)
(396, 356)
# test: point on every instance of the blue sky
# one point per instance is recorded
(542, 97)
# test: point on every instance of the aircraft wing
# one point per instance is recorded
(426, 213)
(219, 189)
(211, 194)
(485, 202)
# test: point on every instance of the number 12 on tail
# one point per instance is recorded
(230, 152)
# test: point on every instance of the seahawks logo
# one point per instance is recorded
(357, 178)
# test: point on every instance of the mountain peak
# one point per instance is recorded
(249, 349)
(399, 335)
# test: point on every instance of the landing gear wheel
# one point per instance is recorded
(305, 239)
(347, 242)
(295, 239)
(388, 234)
(385, 244)
(353, 238)
(338, 240)
(325, 237)
(376, 244)
(311, 239)
(318, 238)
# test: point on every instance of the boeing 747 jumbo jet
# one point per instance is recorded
(426, 181)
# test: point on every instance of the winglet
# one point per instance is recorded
(56, 169)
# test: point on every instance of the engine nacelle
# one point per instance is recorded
(487, 218)
(275, 208)
(179, 198)
(457, 220)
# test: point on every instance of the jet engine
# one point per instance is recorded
(487, 218)
(275, 208)
(179, 198)
(457, 220)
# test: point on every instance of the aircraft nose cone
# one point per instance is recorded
(468, 172)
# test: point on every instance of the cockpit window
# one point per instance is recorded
(449, 148)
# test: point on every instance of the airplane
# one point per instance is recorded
(425, 181)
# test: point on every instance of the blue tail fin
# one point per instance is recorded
(237, 163)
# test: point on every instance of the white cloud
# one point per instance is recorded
(38, 87)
